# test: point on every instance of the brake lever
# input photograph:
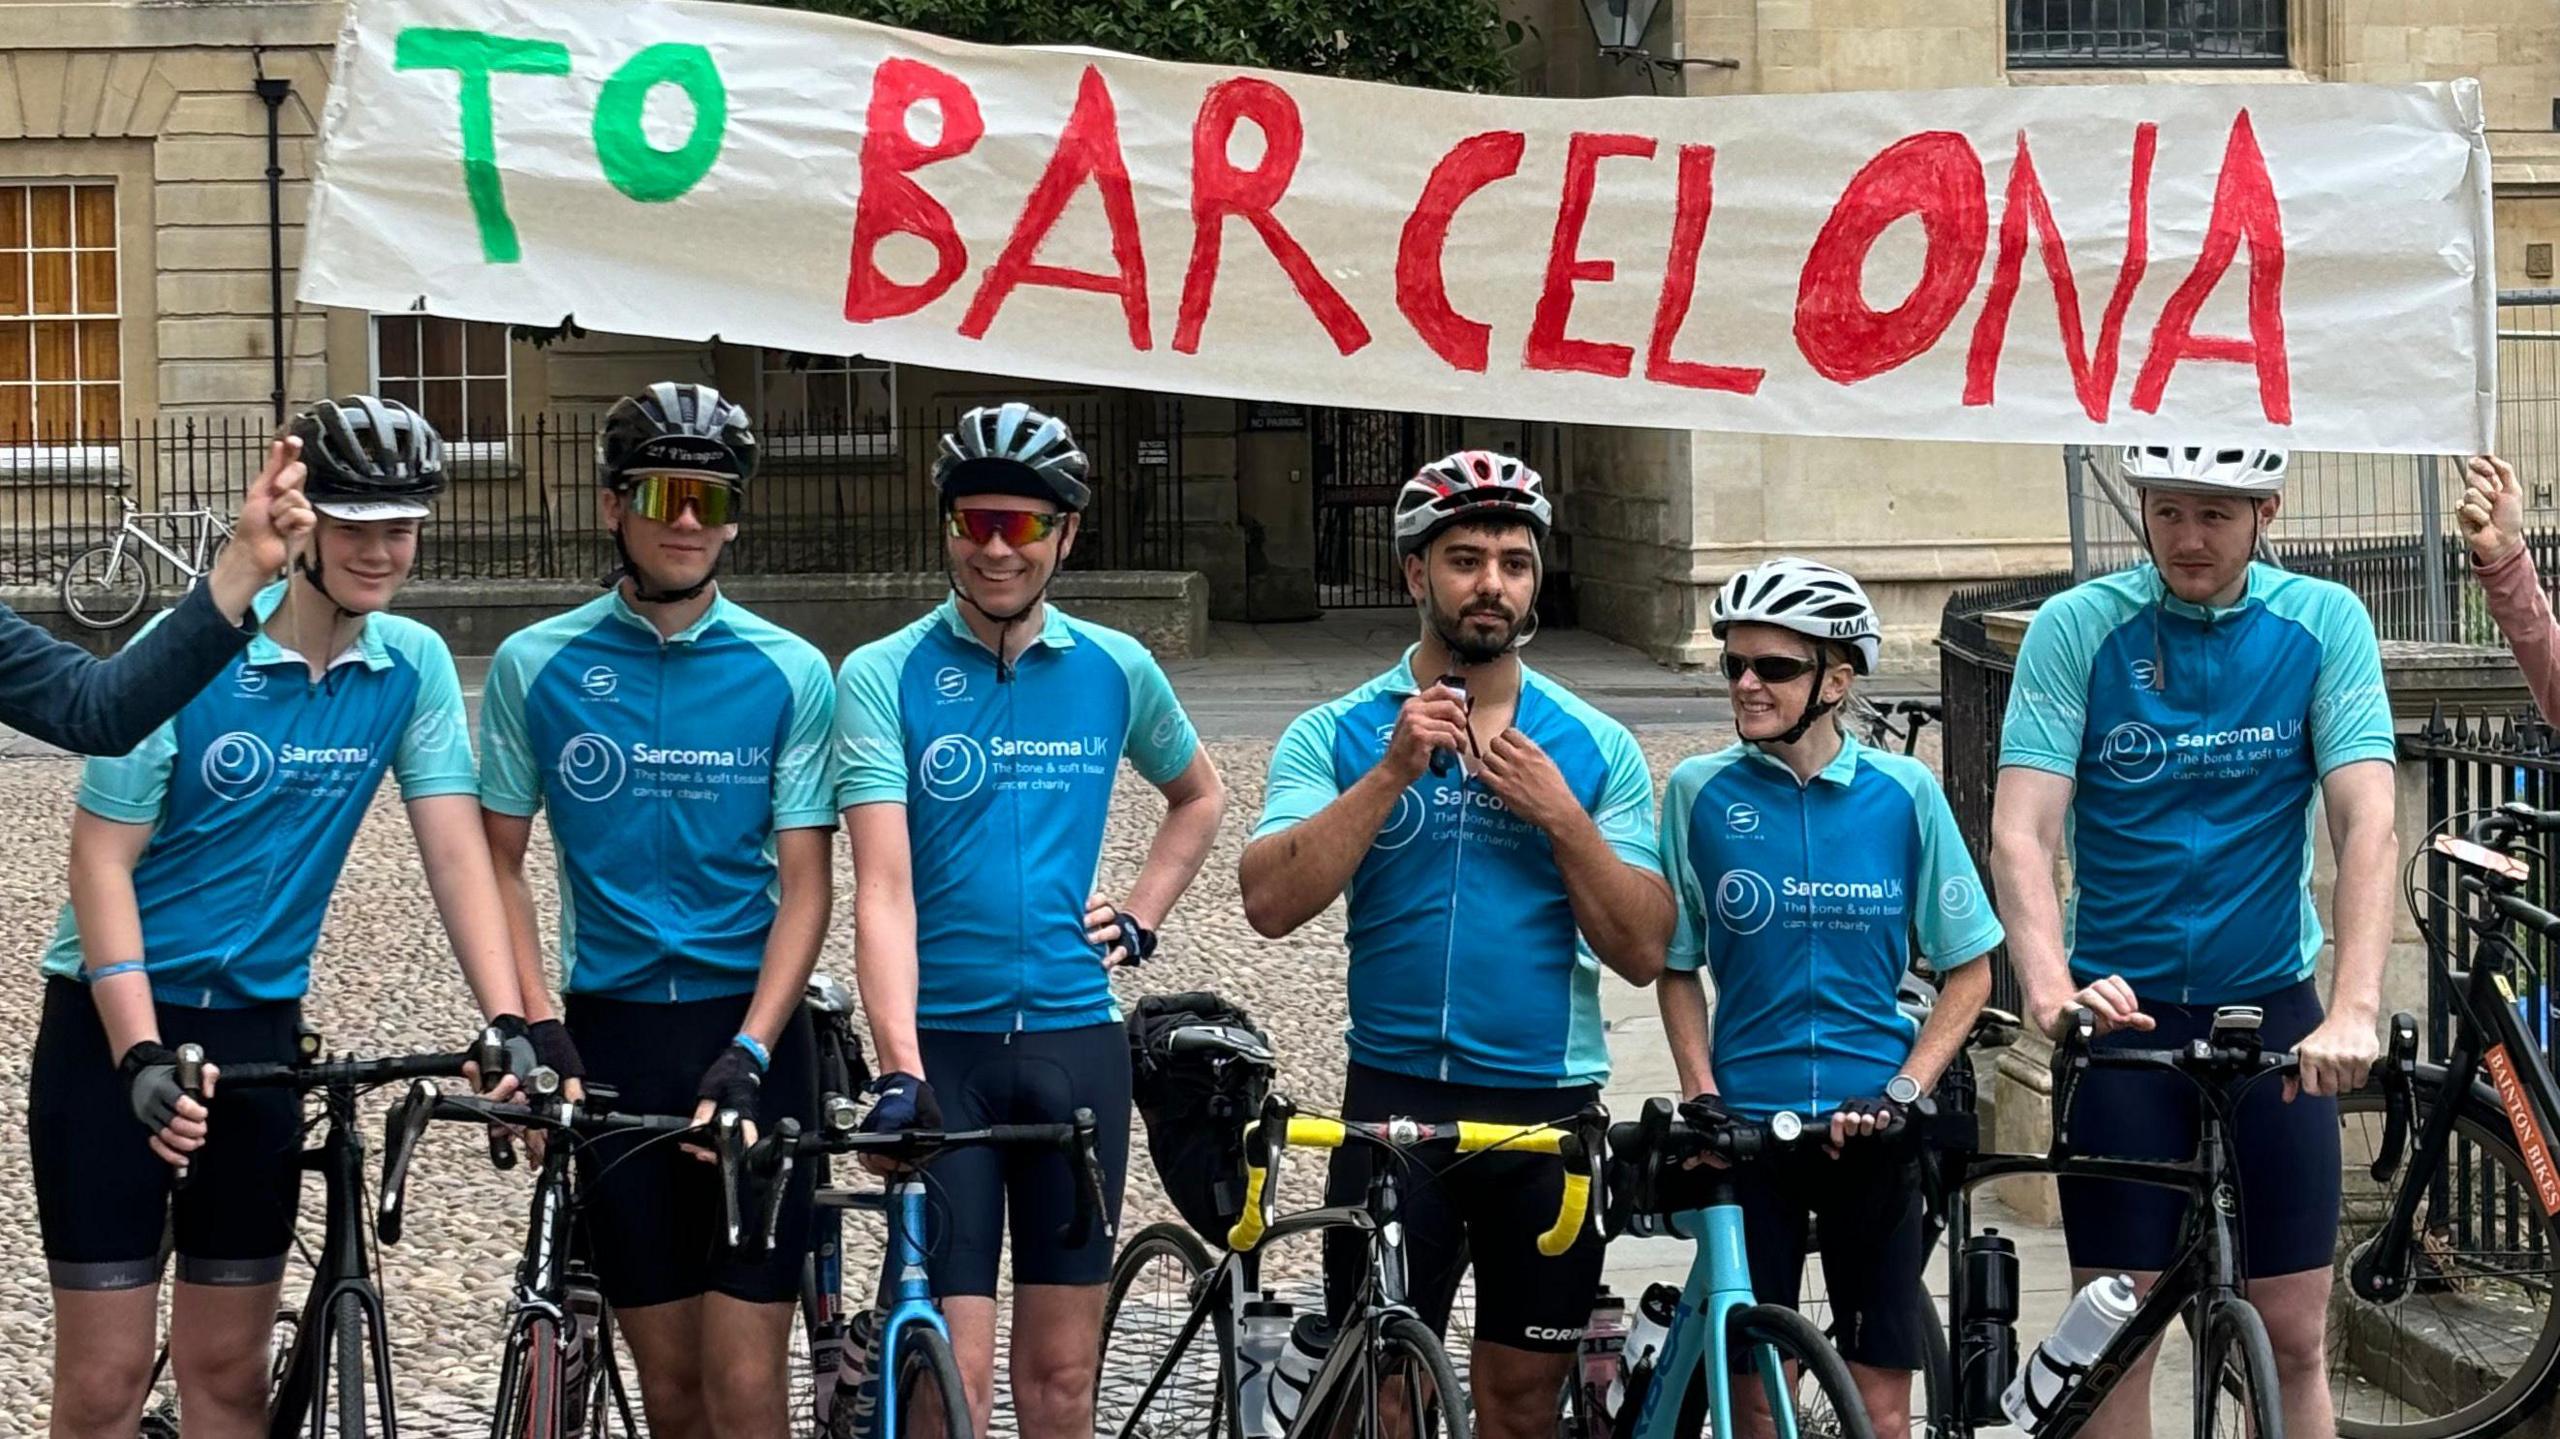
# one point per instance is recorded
(2070, 1061)
(1092, 1205)
(2399, 1099)
(728, 1143)
(490, 1057)
(403, 1127)
(191, 1084)
(785, 1140)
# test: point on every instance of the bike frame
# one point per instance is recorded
(543, 1278)
(1719, 1283)
(912, 1302)
(208, 525)
(344, 1268)
(2484, 1006)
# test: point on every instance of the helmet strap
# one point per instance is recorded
(1004, 623)
(1815, 706)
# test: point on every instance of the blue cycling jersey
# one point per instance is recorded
(2197, 739)
(1466, 963)
(668, 768)
(255, 791)
(1803, 902)
(1007, 785)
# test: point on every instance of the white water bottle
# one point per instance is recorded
(2096, 1313)
(1258, 1344)
(1310, 1339)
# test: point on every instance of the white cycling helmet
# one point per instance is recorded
(1469, 485)
(1808, 597)
(2253, 471)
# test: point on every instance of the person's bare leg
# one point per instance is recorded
(745, 1374)
(1887, 1395)
(666, 1350)
(2296, 1308)
(972, 1318)
(1057, 1349)
(218, 1340)
(103, 1342)
(1516, 1390)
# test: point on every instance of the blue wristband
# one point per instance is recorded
(110, 971)
(755, 1049)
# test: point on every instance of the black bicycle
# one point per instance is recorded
(2444, 1320)
(2235, 1392)
(320, 1386)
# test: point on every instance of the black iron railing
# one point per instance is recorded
(831, 496)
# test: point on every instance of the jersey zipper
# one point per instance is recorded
(1812, 938)
(2205, 658)
(1013, 813)
(1449, 930)
(657, 720)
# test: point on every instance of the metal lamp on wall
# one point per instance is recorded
(1620, 25)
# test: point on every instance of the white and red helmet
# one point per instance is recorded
(1469, 485)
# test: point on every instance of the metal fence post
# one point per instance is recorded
(2431, 548)
(2073, 457)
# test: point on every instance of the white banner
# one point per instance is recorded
(2308, 264)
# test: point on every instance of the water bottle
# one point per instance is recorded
(1309, 1339)
(1987, 1343)
(857, 1404)
(1654, 1311)
(1604, 1356)
(586, 1317)
(1258, 1345)
(2096, 1313)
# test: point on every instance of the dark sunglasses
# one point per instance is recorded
(1772, 669)
(1020, 528)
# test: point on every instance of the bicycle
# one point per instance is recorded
(106, 585)
(1385, 1363)
(1875, 721)
(910, 1340)
(1717, 1314)
(2236, 1391)
(2444, 1322)
(340, 1320)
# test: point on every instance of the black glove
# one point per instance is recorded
(517, 1038)
(150, 1075)
(1706, 1113)
(558, 1053)
(1136, 938)
(901, 1102)
(1892, 1112)
(734, 1081)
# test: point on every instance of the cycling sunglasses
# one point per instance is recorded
(663, 497)
(1020, 528)
(1772, 669)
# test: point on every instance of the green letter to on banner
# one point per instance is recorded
(478, 56)
(642, 170)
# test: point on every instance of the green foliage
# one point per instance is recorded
(1438, 44)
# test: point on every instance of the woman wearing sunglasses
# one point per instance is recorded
(1806, 865)
(980, 746)
(681, 746)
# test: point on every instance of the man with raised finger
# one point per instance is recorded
(2179, 727)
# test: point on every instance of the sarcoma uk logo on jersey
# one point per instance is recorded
(592, 768)
(2134, 752)
(952, 767)
(1960, 897)
(1745, 901)
(1405, 825)
(237, 766)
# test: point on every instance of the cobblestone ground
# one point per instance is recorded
(386, 982)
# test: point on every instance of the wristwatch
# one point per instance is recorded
(1902, 1089)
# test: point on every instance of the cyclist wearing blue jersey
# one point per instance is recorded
(1811, 871)
(1496, 846)
(679, 743)
(978, 748)
(202, 864)
(2177, 728)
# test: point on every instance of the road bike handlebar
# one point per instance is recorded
(407, 1122)
(1579, 1142)
(757, 1177)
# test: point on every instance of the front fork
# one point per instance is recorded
(1698, 1342)
(301, 1401)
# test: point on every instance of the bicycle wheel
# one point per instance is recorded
(104, 586)
(529, 1391)
(1791, 1364)
(1149, 1303)
(931, 1402)
(346, 1374)
(1935, 1385)
(1418, 1395)
(2473, 1346)
(2241, 1402)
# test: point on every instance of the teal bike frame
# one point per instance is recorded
(912, 1297)
(1719, 1283)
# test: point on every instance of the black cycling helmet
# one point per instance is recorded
(1012, 449)
(369, 459)
(675, 426)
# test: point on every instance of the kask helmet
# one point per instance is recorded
(675, 426)
(1806, 596)
(1469, 485)
(369, 459)
(1012, 449)
(2253, 471)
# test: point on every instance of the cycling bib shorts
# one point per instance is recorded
(1036, 1077)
